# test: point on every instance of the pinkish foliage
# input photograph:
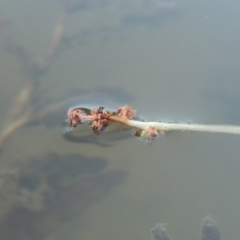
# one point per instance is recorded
(126, 111)
(149, 133)
(77, 116)
(100, 118)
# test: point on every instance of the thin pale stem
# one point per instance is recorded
(124, 121)
(21, 102)
(165, 127)
(7, 132)
(57, 35)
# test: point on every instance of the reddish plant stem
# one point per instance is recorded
(118, 119)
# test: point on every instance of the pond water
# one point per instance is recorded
(172, 61)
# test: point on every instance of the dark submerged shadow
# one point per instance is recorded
(44, 193)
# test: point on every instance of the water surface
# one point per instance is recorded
(177, 64)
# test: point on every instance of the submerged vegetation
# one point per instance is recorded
(39, 195)
(208, 230)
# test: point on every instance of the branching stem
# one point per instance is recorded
(100, 119)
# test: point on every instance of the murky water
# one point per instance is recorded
(174, 61)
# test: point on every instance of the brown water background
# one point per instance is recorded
(183, 66)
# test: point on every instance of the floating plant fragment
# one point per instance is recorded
(100, 119)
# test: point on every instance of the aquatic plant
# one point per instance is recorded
(51, 188)
(208, 231)
(159, 232)
(100, 119)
